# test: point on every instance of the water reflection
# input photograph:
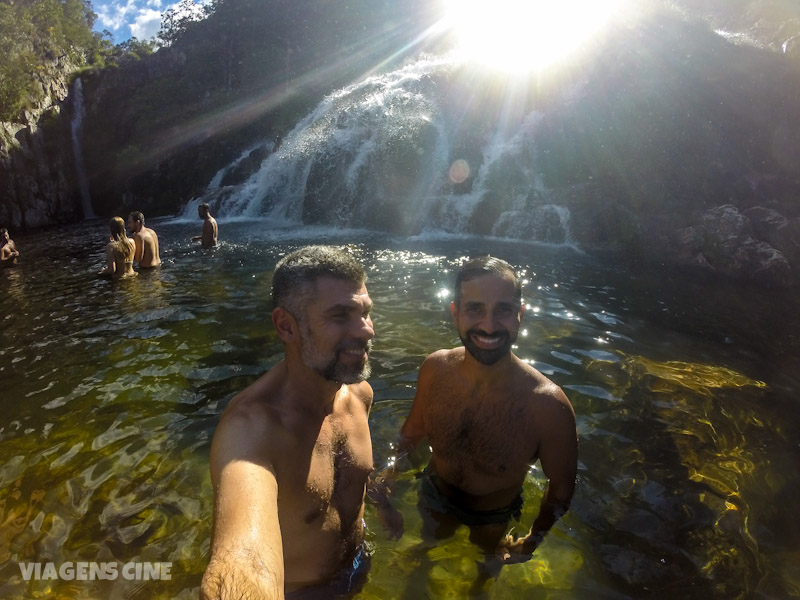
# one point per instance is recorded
(112, 391)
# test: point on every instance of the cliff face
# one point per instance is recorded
(37, 173)
(147, 153)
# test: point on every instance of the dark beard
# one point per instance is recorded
(483, 356)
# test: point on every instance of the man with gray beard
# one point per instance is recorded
(292, 453)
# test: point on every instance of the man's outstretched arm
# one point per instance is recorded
(246, 548)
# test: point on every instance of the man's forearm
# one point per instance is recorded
(550, 511)
(233, 580)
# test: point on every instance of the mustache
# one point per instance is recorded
(483, 333)
(355, 345)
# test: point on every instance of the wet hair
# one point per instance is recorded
(296, 274)
(137, 216)
(121, 244)
(204, 207)
(486, 265)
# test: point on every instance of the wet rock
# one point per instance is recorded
(37, 186)
(777, 230)
(727, 242)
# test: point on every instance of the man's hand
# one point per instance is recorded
(513, 550)
(379, 490)
(392, 521)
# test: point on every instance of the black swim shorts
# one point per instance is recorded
(437, 502)
(346, 583)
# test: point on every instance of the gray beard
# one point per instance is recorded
(328, 366)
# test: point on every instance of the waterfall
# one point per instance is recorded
(400, 152)
(76, 126)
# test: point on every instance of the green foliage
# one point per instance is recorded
(33, 35)
(175, 22)
(128, 51)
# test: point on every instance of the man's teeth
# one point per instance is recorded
(487, 340)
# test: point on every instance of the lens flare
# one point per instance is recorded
(524, 35)
(459, 171)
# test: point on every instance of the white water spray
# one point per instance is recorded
(378, 155)
(76, 126)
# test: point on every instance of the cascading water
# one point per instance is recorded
(76, 127)
(397, 152)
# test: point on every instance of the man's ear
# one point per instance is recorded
(285, 324)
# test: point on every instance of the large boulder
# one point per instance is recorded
(779, 231)
(725, 241)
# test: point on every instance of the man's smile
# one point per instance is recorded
(356, 350)
(489, 341)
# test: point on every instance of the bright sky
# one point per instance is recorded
(520, 35)
(131, 18)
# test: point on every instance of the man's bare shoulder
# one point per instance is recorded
(539, 391)
(360, 395)
(444, 359)
(258, 403)
(439, 366)
(253, 420)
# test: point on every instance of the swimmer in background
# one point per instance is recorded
(145, 240)
(119, 252)
(8, 249)
(209, 236)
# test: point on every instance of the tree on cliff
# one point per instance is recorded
(33, 34)
(175, 21)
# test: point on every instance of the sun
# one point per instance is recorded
(524, 35)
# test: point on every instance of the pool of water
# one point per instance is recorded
(685, 393)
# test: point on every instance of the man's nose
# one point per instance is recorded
(488, 323)
(365, 329)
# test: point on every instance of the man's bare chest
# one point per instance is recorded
(326, 487)
(489, 434)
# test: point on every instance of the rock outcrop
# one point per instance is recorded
(758, 245)
(37, 182)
